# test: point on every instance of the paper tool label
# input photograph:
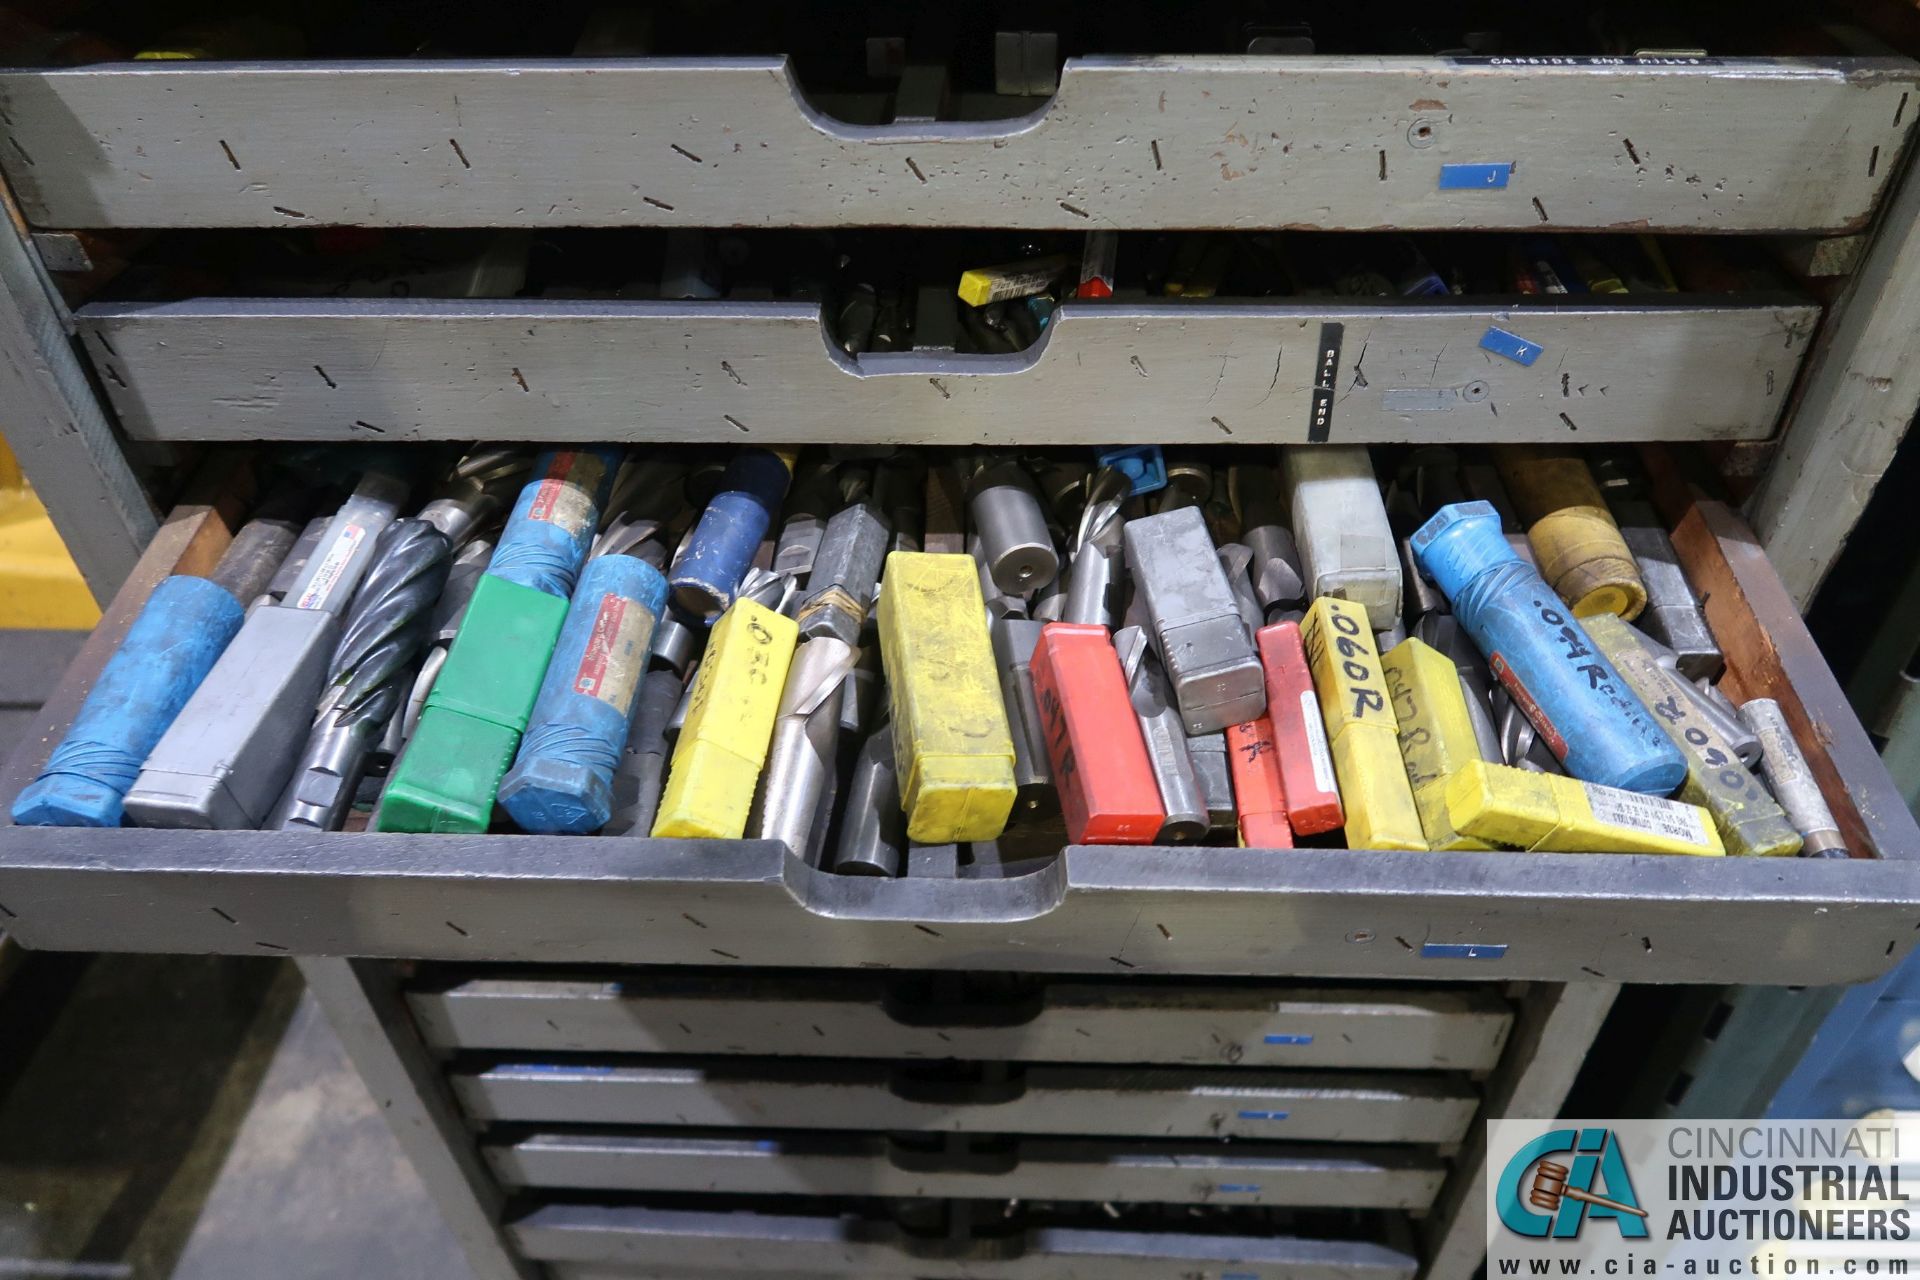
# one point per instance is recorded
(1528, 707)
(326, 575)
(1649, 814)
(616, 653)
(565, 495)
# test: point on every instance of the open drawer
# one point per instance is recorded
(1342, 142)
(1600, 368)
(1107, 910)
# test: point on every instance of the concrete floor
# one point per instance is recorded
(194, 1118)
(186, 1117)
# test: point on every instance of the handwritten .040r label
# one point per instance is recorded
(1649, 814)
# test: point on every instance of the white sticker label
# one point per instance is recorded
(326, 575)
(1317, 741)
(1650, 814)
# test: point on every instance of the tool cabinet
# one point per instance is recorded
(634, 1057)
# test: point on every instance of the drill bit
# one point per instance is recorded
(388, 627)
(1236, 561)
(385, 633)
(648, 502)
(1182, 799)
(800, 769)
(1275, 564)
(1093, 572)
(1100, 517)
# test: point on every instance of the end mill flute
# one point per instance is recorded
(388, 628)
(801, 764)
(385, 633)
(1181, 797)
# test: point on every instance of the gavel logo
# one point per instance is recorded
(1550, 1187)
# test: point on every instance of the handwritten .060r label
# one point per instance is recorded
(1649, 814)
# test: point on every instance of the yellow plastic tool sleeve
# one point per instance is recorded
(952, 747)
(1545, 813)
(1436, 735)
(1361, 728)
(730, 714)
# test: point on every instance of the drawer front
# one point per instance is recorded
(1240, 1173)
(1107, 911)
(834, 1094)
(598, 1242)
(558, 371)
(1061, 1022)
(1174, 142)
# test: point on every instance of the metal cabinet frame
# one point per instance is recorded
(1853, 404)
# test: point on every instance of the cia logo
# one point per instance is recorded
(1552, 1198)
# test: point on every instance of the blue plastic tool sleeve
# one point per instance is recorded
(707, 573)
(1536, 648)
(547, 537)
(186, 624)
(562, 780)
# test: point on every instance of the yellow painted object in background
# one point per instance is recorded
(39, 587)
